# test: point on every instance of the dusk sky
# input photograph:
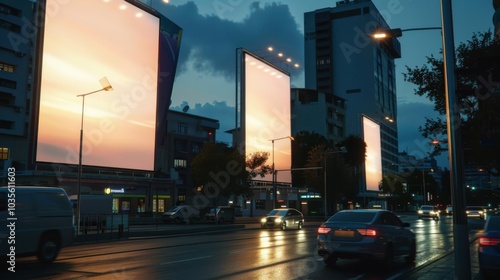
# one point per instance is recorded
(214, 29)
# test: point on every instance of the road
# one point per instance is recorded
(241, 254)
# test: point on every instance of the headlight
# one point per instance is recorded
(420, 212)
(263, 220)
(433, 213)
(278, 220)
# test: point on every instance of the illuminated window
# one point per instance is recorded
(4, 153)
(6, 67)
(161, 205)
(180, 163)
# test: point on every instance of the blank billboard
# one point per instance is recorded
(266, 113)
(373, 161)
(84, 41)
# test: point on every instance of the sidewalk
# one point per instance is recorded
(443, 268)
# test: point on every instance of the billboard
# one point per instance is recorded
(83, 41)
(265, 113)
(373, 161)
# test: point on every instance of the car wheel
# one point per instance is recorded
(283, 225)
(299, 226)
(413, 253)
(48, 248)
(388, 257)
(330, 261)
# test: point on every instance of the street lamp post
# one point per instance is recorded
(106, 86)
(274, 172)
(342, 150)
(460, 232)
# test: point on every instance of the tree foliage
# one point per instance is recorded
(221, 171)
(477, 95)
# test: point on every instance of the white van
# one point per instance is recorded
(34, 221)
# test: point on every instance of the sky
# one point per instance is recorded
(213, 29)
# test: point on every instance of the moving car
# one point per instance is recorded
(373, 234)
(475, 212)
(43, 224)
(489, 247)
(283, 218)
(428, 211)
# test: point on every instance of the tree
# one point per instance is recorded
(477, 84)
(394, 186)
(221, 172)
(303, 142)
(341, 178)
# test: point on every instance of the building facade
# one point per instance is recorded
(342, 60)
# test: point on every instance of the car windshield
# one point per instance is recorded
(277, 213)
(173, 209)
(474, 208)
(426, 208)
(360, 217)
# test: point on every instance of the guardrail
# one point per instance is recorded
(95, 227)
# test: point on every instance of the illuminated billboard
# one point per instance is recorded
(265, 113)
(373, 161)
(83, 41)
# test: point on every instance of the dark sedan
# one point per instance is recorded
(489, 247)
(365, 234)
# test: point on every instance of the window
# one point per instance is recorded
(7, 67)
(8, 83)
(180, 163)
(4, 153)
(182, 128)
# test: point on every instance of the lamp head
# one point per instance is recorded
(105, 84)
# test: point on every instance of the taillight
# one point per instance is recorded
(367, 232)
(323, 230)
(486, 241)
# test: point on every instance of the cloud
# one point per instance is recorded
(209, 43)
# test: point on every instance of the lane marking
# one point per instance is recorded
(186, 260)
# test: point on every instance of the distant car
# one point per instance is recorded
(428, 211)
(283, 218)
(372, 234)
(475, 212)
(489, 247)
(224, 215)
(449, 210)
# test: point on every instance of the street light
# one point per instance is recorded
(342, 150)
(106, 86)
(274, 172)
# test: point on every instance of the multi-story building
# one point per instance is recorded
(342, 60)
(16, 69)
(186, 134)
(327, 107)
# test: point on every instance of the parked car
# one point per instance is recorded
(489, 247)
(283, 218)
(181, 214)
(475, 212)
(224, 215)
(44, 221)
(373, 234)
(428, 211)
